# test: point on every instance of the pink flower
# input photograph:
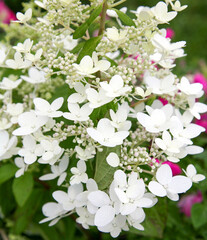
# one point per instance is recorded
(170, 33)
(202, 122)
(176, 170)
(163, 101)
(6, 14)
(174, 167)
(186, 202)
(199, 78)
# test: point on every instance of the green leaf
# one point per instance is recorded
(22, 188)
(89, 47)
(104, 173)
(7, 171)
(125, 18)
(77, 48)
(80, 31)
(199, 215)
(155, 221)
(23, 215)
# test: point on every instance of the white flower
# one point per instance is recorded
(23, 18)
(24, 47)
(30, 150)
(115, 87)
(168, 144)
(195, 108)
(34, 57)
(97, 98)
(5, 123)
(139, 91)
(78, 113)
(14, 110)
(57, 171)
(177, 6)
(80, 95)
(115, 227)
(113, 159)
(68, 42)
(82, 198)
(131, 192)
(160, 86)
(105, 212)
(165, 51)
(192, 174)
(19, 162)
(115, 35)
(67, 200)
(119, 119)
(85, 154)
(157, 120)
(41, 4)
(29, 123)
(167, 185)
(189, 89)
(51, 149)
(85, 218)
(79, 173)
(135, 218)
(7, 146)
(18, 62)
(35, 76)
(105, 134)
(161, 13)
(53, 212)
(89, 66)
(7, 84)
(44, 108)
(184, 134)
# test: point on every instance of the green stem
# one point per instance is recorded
(117, 3)
(103, 18)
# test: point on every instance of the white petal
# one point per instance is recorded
(113, 160)
(157, 189)
(104, 216)
(164, 174)
(180, 184)
(98, 198)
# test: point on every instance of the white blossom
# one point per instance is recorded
(30, 150)
(192, 174)
(78, 113)
(29, 123)
(23, 18)
(7, 145)
(44, 108)
(115, 87)
(35, 76)
(105, 134)
(57, 171)
(7, 84)
(167, 185)
(79, 173)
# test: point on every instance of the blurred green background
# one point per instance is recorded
(190, 25)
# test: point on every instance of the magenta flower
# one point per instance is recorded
(6, 14)
(163, 101)
(186, 202)
(170, 33)
(202, 122)
(199, 78)
(176, 170)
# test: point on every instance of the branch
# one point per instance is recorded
(103, 18)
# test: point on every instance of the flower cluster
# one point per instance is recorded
(91, 114)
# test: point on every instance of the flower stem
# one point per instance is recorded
(103, 18)
(117, 3)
